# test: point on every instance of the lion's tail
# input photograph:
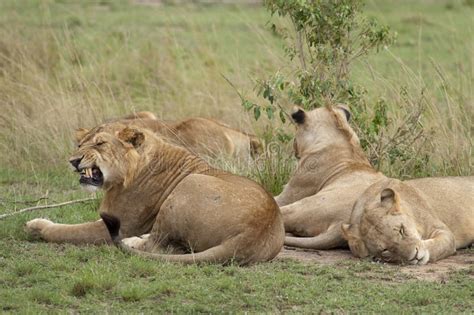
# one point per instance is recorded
(219, 254)
(330, 239)
(222, 253)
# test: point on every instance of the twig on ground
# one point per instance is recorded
(57, 205)
(25, 202)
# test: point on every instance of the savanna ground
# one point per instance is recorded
(65, 65)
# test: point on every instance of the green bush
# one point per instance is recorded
(323, 40)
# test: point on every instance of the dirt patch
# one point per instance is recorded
(439, 271)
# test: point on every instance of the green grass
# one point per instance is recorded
(40, 277)
(65, 65)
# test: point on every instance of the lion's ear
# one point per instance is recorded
(345, 110)
(133, 136)
(298, 115)
(390, 200)
(80, 133)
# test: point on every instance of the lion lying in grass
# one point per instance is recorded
(417, 221)
(332, 173)
(201, 136)
(193, 211)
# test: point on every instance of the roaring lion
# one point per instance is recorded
(415, 222)
(193, 212)
(201, 136)
(332, 173)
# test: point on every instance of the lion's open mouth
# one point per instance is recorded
(91, 176)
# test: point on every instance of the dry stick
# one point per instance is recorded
(57, 205)
(26, 202)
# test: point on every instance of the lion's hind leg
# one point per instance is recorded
(137, 242)
(149, 244)
(222, 253)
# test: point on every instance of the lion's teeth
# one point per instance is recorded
(87, 172)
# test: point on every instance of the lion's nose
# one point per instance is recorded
(75, 162)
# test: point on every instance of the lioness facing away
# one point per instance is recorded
(193, 212)
(332, 173)
(201, 136)
(417, 221)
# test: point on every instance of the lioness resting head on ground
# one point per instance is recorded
(194, 212)
(201, 136)
(332, 173)
(417, 221)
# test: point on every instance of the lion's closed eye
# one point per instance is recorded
(402, 231)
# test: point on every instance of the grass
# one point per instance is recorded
(430, 67)
(39, 277)
(65, 65)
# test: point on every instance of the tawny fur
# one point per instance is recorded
(331, 174)
(201, 136)
(194, 211)
(416, 221)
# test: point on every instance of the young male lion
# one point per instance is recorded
(417, 221)
(201, 136)
(197, 213)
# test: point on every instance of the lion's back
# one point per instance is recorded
(447, 192)
(452, 200)
(213, 138)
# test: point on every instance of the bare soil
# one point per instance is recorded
(439, 271)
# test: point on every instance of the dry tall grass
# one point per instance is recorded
(55, 79)
(63, 70)
(442, 108)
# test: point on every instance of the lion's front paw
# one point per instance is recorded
(421, 257)
(134, 242)
(35, 227)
